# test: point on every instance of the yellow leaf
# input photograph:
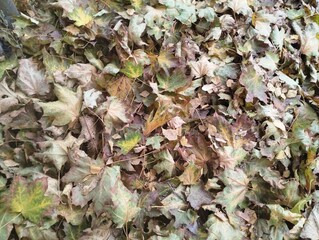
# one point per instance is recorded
(80, 17)
(130, 141)
(29, 199)
(137, 4)
(132, 70)
(157, 119)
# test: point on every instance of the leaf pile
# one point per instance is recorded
(160, 119)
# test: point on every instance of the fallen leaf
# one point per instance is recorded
(29, 199)
(253, 82)
(132, 138)
(66, 109)
(80, 16)
(30, 79)
(132, 69)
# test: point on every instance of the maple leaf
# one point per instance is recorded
(166, 60)
(81, 72)
(137, 4)
(132, 69)
(29, 199)
(66, 109)
(230, 157)
(115, 112)
(173, 82)
(254, 84)
(202, 67)
(131, 139)
(8, 98)
(158, 118)
(221, 229)
(56, 151)
(166, 164)
(30, 79)
(7, 219)
(239, 6)
(80, 16)
(136, 28)
(90, 97)
(191, 175)
(278, 213)
(198, 196)
(120, 87)
(54, 65)
(237, 135)
(112, 190)
(236, 183)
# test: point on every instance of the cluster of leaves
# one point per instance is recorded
(160, 119)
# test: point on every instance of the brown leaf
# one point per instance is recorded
(30, 79)
(237, 135)
(120, 87)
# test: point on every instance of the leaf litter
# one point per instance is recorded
(161, 119)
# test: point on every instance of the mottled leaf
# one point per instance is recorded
(29, 199)
(131, 140)
(132, 69)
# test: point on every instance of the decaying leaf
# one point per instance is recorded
(66, 109)
(254, 84)
(158, 118)
(131, 139)
(132, 69)
(236, 183)
(31, 80)
(29, 199)
(225, 92)
(80, 17)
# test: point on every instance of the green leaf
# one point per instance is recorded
(166, 164)
(130, 141)
(66, 109)
(7, 219)
(54, 64)
(184, 11)
(132, 69)
(253, 82)
(125, 205)
(278, 214)
(173, 82)
(166, 60)
(136, 28)
(29, 199)
(56, 151)
(8, 64)
(80, 16)
(155, 141)
(220, 229)
(111, 191)
(234, 193)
